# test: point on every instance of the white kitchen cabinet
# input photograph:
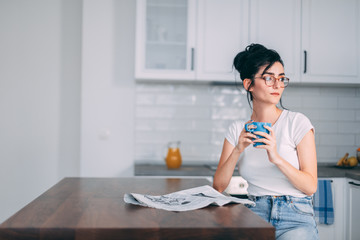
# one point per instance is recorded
(189, 40)
(353, 223)
(330, 41)
(165, 39)
(276, 25)
(198, 39)
(318, 40)
(337, 230)
(222, 32)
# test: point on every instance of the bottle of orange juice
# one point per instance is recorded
(173, 158)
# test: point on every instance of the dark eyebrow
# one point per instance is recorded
(270, 73)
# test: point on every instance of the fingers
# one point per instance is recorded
(266, 135)
(247, 140)
(244, 130)
(267, 139)
(270, 130)
(249, 135)
(262, 140)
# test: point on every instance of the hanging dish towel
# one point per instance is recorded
(323, 203)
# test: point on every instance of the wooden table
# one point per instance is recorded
(93, 208)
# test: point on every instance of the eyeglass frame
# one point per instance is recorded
(275, 79)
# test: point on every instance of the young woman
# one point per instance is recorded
(281, 173)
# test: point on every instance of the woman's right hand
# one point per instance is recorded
(245, 139)
(228, 159)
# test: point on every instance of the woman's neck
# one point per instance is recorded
(265, 113)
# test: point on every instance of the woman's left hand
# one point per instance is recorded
(270, 144)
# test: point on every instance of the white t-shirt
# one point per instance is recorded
(263, 177)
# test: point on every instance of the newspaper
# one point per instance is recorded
(185, 200)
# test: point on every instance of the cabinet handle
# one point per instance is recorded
(192, 58)
(353, 183)
(305, 60)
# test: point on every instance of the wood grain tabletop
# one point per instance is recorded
(93, 208)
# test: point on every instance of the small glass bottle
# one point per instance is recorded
(173, 159)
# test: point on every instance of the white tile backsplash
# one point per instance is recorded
(349, 127)
(349, 102)
(199, 115)
(293, 101)
(336, 114)
(326, 152)
(357, 118)
(338, 91)
(322, 102)
(301, 91)
(325, 127)
(337, 139)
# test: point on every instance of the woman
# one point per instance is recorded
(282, 172)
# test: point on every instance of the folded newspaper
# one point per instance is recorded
(185, 200)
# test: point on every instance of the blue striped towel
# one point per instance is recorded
(323, 203)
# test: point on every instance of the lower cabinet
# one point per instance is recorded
(337, 230)
(353, 205)
(346, 199)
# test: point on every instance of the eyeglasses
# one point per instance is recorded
(270, 80)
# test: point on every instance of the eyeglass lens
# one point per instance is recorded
(270, 80)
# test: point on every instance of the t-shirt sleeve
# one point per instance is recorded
(301, 126)
(232, 135)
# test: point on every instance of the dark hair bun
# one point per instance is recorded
(254, 47)
(248, 62)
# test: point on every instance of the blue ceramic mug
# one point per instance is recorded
(257, 127)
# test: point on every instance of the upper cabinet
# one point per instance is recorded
(198, 39)
(165, 39)
(276, 24)
(222, 32)
(330, 41)
(189, 40)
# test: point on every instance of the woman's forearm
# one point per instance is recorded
(304, 179)
(300, 179)
(225, 171)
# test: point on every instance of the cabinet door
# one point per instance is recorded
(276, 25)
(222, 32)
(337, 230)
(354, 209)
(165, 39)
(330, 41)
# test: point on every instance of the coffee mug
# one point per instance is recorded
(257, 127)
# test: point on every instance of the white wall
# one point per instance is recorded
(39, 97)
(107, 97)
(64, 63)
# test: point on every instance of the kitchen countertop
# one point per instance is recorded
(330, 170)
(325, 170)
(201, 170)
(94, 208)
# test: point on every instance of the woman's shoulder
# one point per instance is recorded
(299, 125)
(298, 121)
(234, 131)
(237, 125)
(291, 115)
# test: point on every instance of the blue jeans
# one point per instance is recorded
(292, 217)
